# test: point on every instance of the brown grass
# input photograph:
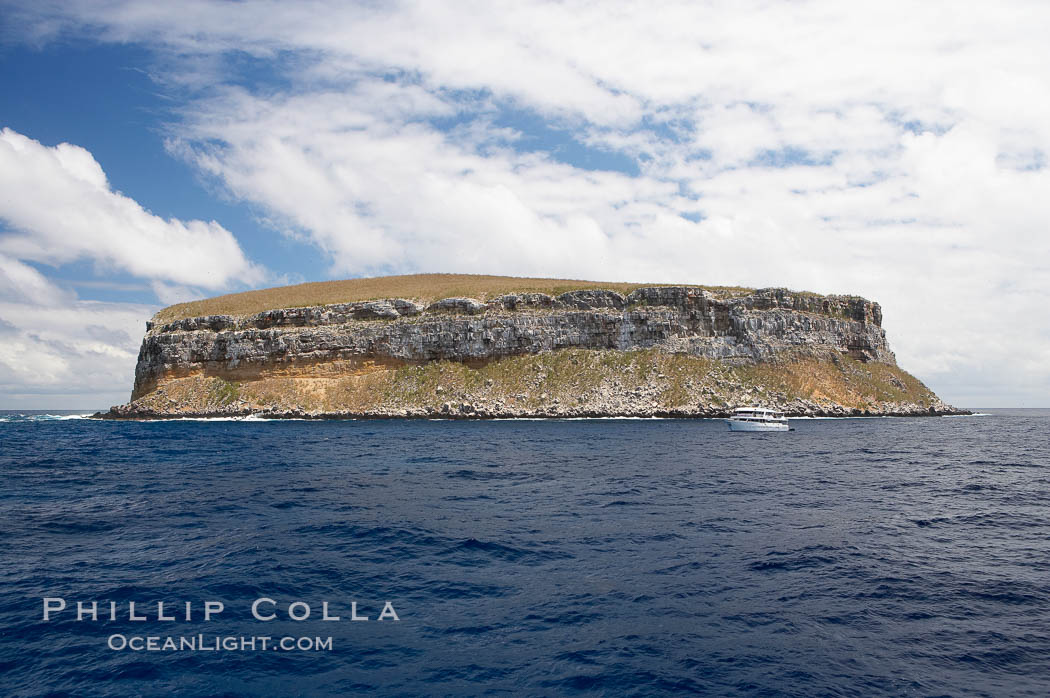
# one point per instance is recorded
(847, 381)
(424, 288)
(569, 378)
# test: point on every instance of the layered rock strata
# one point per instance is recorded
(323, 353)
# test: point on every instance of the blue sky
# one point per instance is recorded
(152, 153)
(101, 96)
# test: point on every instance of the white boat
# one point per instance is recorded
(757, 419)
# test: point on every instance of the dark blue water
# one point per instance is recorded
(849, 557)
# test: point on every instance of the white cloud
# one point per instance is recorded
(22, 283)
(897, 150)
(170, 294)
(57, 351)
(60, 203)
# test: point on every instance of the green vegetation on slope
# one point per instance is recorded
(562, 382)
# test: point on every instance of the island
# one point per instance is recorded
(474, 347)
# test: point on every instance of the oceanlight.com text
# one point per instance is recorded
(217, 643)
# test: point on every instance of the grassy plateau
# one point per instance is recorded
(423, 288)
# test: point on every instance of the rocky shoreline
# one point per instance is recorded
(656, 352)
(122, 413)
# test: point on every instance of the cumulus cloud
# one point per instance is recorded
(58, 207)
(59, 351)
(61, 207)
(56, 349)
(897, 150)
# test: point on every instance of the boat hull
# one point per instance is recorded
(737, 425)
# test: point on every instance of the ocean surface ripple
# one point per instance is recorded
(853, 557)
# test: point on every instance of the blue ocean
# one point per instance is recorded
(851, 557)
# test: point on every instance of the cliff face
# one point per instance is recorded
(355, 358)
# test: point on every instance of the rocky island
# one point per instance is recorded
(462, 346)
